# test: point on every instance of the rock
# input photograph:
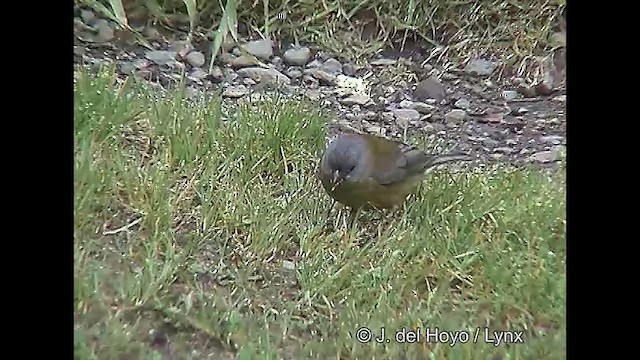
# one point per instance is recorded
(383, 62)
(449, 76)
(462, 104)
(406, 104)
(277, 61)
(126, 67)
(104, 31)
(260, 75)
(523, 110)
(480, 67)
(315, 63)
(181, 48)
(490, 143)
(349, 69)
(504, 150)
(195, 58)
(332, 66)
(357, 99)
(324, 77)
(235, 91)
(243, 61)
(456, 116)
(248, 81)
(527, 91)
(561, 98)
(161, 57)
(387, 116)
(430, 88)
(294, 74)
(552, 139)
(406, 114)
(544, 156)
(498, 156)
(216, 73)
(313, 94)
(424, 108)
(198, 73)
(87, 16)
(297, 56)
(151, 33)
(288, 265)
(509, 95)
(262, 49)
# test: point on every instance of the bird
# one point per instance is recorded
(364, 171)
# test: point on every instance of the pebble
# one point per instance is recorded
(406, 104)
(87, 16)
(288, 265)
(297, 56)
(456, 116)
(509, 95)
(480, 67)
(267, 76)
(406, 114)
(552, 139)
(430, 88)
(462, 104)
(198, 73)
(161, 57)
(349, 69)
(195, 58)
(544, 156)
(504, 150)
(294, 74)
(383, 62)
(104, 31)
(332, 66)
(262, 49)
(424, 108)
(243, 61)
(324, 77)
(356, 99)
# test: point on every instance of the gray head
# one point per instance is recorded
(342, 157)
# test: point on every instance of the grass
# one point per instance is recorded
(200, 235)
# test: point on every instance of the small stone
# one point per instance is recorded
(288, 265)
(523, 110)
(235, 92)
(490, 143)
(161, 57)
(152, 33)
(243, 61)
(181, 48)
(406, 114)
(332, 66)
(456, 116)
(430, 88)
(87, 16)
(462, 104)
(527, 91)
(509, 95)
(424, 108)
(105, 31)
(261, 75)
(216, 73)
(297, 56)
(195, 58)
(126, 67)
(387, 116)
(313, 94)
(262, 49)
(248, 81)
(277, 61)
(449, 76)
(294, 74)
(544, 156)
(498, 156)
(504, 150)
(480, 67)
(315, 63)
(406, 104)
(511, 142)
(357, 99)
(198, 73)
(324, 77)
(561, 98)
(383, 62)
(552, 139)
(349, 69)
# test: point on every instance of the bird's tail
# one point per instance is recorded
(441, 159)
